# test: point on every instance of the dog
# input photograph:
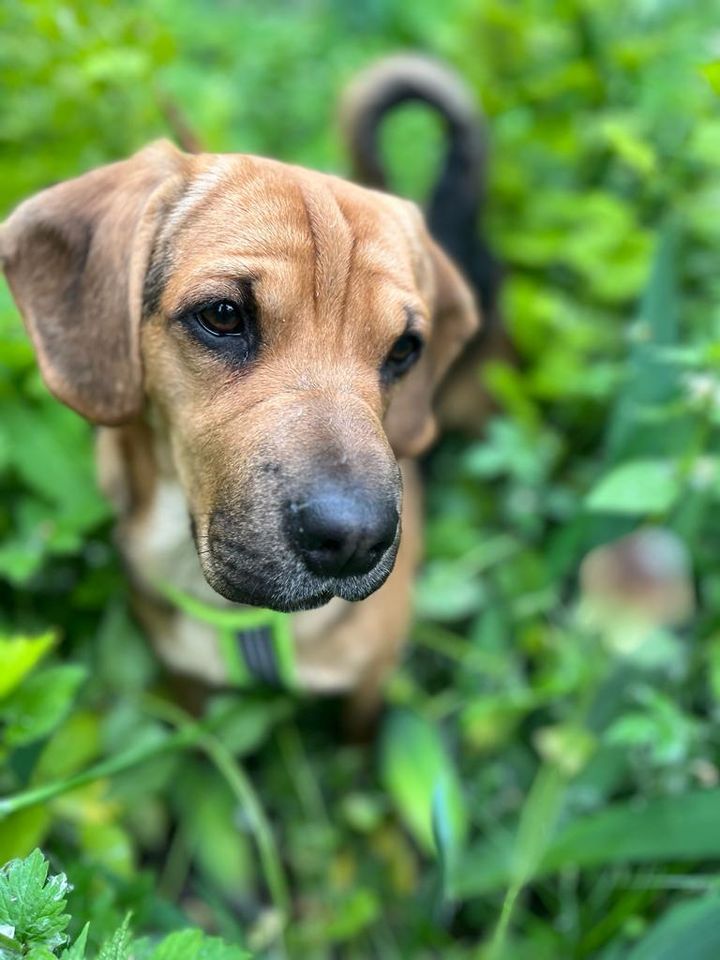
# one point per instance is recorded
(259, 345)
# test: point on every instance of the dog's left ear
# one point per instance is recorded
(410, 423)
(75, 257)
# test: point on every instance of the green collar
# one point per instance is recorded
(255, 644)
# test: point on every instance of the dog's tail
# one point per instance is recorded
(454, 210)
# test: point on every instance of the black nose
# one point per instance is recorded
(340, 533)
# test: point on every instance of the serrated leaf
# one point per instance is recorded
(33, 903)
(39, 953)
(77, 950)
(118, 947)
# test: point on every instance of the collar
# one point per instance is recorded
(256, 644)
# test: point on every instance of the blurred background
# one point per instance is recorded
(545, 781)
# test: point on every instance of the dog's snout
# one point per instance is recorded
(340, 533)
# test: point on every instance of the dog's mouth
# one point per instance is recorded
(284, 584)
(336, 538)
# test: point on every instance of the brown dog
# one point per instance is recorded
(261, 344)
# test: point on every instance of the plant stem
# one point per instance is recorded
(188, 734)
(106, 768)
(239, 783)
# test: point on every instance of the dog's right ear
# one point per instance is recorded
(75, 257)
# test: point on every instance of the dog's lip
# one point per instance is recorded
(241, 595)
(254, 594)
(297, 590)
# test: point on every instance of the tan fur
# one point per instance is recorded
(336, 270)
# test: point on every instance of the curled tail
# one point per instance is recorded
(454, 209)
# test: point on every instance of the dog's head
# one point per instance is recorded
(284, 329)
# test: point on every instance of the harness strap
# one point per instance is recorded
(256, 644)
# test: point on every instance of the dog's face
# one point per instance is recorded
(283, 329)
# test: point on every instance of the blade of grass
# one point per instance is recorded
(535, 829)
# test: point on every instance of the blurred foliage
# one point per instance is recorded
(547, 784)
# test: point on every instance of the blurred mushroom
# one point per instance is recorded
(640, 581)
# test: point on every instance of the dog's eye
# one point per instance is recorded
(223, 319)
(404, 353)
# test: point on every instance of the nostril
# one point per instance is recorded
(330, 545)
(340, 532)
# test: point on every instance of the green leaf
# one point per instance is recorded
(221, 852)
(243, 721)
(24, 830)
(72, 746)
(38, 705)
(33, 903)
(118, 947)
(194, 945)
(711, 72)
(638, 487)
(178, 946)
(419, 776)
(39, 953)
(649, 832)
(690, 930)
(651, 379)
(449, 825)
(61, 438)
(109, 846)
(77, 950)
(18, 656)
(446, 593)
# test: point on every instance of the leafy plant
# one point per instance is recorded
(33, 924)
(546, 784)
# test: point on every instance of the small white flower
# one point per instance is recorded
(703, 473)
(702, 387)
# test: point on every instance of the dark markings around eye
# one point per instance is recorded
(404, 353)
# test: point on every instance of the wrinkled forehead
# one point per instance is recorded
(295, 233)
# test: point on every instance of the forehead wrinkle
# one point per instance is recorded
(201, 188)
(333, 246)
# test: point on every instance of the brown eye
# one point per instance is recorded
(223, 319)
(404, 353)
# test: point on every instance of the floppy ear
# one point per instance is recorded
(75, 257)
(410, 423)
